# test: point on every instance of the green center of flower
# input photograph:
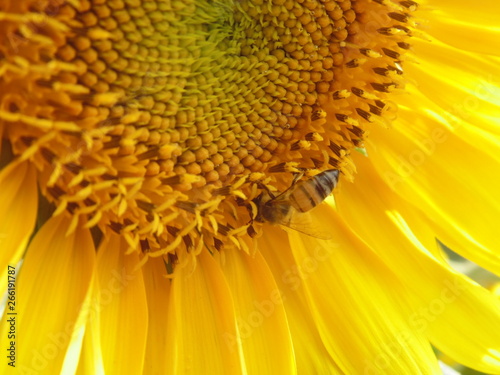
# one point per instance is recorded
(164, 120)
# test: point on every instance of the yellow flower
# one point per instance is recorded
(145, 145)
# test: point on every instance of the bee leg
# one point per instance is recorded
(296, 176)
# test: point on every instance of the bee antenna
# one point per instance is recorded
(264, 187)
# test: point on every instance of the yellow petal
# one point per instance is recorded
(157, 292)
(461, 318)
(454, 23)
(202, 334)
(450, 181)
(123, 307)
(355, 303)
(91, 362)
(260, 314)
(311, 355)
(53, 283)
(358, 305)
(468, 86)
(18, 198)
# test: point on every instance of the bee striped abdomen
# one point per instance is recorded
(289, 208)
(308, 194)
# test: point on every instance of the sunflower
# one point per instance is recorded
(146, 145)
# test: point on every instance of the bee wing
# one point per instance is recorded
(303, 222)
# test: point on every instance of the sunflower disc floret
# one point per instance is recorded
(163, 121)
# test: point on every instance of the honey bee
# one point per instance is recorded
(290, 207)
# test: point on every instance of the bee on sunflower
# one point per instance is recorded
(167, 170)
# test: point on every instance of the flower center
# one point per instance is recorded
(164, 120)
